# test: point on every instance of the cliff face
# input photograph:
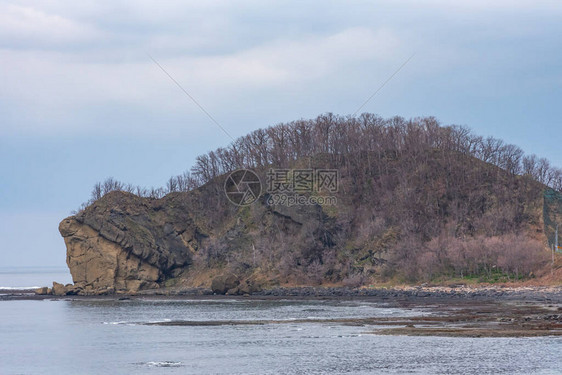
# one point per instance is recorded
(126, 243)
(123, 243)
(98, 264)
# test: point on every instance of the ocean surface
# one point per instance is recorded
(100, 336)
(32, 277)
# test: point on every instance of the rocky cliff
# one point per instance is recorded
(126, 243)
(123, 243)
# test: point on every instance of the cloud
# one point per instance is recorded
(290, 61)
(50, 84)
(23, 25)
(83, 69)
(486, 5)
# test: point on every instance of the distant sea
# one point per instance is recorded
(32, 277)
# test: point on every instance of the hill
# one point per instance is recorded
(413, 201)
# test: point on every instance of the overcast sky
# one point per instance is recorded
(80, 99)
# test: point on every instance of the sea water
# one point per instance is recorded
(32, 277)
(111, 336)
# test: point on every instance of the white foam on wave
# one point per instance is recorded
(19, 287)
(192, 301)
(130, 323)
(120, 323)
(163, 364)
(158, 321)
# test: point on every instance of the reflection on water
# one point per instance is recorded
(104, 336)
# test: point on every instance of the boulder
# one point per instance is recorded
(73, 289)
(43, 291)
(58, 289)
(249, 287)
(224, 283)
(244, 288)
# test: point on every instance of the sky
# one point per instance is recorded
(81, 100)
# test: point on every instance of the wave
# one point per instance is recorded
(163, 364)
(192, 301)
(19, 287)
(135, 323)
(120, 323)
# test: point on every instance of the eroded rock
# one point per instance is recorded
(122, 244)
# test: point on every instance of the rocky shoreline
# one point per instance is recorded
(545, 294)
(553, 294)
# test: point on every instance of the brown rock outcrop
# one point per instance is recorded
(97, 262)
(123, 244)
